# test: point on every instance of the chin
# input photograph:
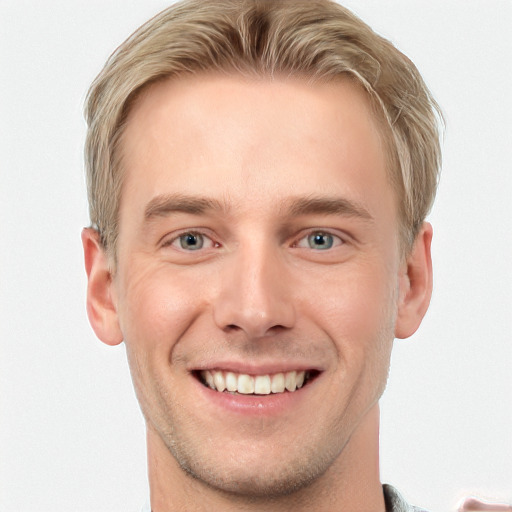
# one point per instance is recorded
(247, 475)
(248, 483)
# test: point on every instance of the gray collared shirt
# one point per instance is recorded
(395, 502)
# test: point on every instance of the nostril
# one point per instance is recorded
(232, 328)
(276, 329)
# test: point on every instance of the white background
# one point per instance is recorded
(71, 434)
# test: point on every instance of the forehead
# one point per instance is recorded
(234, 138)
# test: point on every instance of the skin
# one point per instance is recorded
(258, 295)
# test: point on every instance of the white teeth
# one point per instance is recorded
(262, 385)
(208, 377)
(277, 385)
(219, 381)
(291, 381)
(300, 379)
(259, 384)
(245, 384)
(231, 381)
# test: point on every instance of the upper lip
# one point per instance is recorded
(257, 369)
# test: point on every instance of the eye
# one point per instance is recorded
(319, 241)
(191, 241)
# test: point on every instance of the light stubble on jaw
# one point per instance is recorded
(301, 474)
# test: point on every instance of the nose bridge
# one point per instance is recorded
(253, 295)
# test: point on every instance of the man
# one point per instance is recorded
(259, 174)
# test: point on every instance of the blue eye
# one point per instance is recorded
(191, 241)
(320, 241)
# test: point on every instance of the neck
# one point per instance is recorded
(351, 483)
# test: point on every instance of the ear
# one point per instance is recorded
(415, 285)
(101, 308)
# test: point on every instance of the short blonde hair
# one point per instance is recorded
(315, 39)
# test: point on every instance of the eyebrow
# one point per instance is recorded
(167, 204)
(163, 205)
(328, 206)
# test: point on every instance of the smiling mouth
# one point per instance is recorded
(244, 384)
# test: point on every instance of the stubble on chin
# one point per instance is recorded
(237, 478)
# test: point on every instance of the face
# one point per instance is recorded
(258, 251)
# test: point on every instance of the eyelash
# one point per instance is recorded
(192, 233)
(336, 240)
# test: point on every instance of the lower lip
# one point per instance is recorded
(257, 405)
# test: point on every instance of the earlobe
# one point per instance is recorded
(101, 308)
(415, 285)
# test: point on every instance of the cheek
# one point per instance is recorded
(159, 305)
(356, 308)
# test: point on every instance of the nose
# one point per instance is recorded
(254, 293)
